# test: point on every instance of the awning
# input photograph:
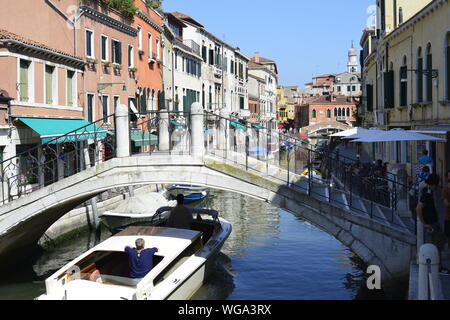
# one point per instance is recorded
(257, 126)
(50, 129)
(397, 135)
(178, 125)
(238, 126)
(142, 139)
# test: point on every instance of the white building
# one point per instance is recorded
(266, 69)
(223, 70)
(182, 72)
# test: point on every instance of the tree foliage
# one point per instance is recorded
(126, 7)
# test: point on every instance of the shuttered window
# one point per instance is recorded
(116, 52)
(369, 93)
(403, 86)
(49, 84)
(70, 87)
(204, 54)
(23, 87)
(90, 107)
(211, 57)
(389, 90)
(429, 78)
(420, 80)
(89, 44)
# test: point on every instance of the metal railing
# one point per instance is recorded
(147, 132)
(286, 159)
(59, 158)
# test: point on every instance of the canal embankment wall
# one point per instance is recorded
(84, 216)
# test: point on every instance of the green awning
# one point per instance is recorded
(142, 139)
(178, 125)
(50, 129)
(257, 126)
(238, 126)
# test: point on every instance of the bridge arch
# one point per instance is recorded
(31, 216)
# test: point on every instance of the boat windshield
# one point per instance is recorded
(106, 267)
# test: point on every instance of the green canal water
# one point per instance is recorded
(270, 255)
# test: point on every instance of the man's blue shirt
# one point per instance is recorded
(140, 264)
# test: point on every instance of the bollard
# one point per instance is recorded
(428, 272)
(122, 131)
(197, 126)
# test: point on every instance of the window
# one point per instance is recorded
(211, 57)
(24, 86)
(335, 112)
(105, 105)
(70, 88)
(314, 114)
(241, 103)
(89, 44)
(204, 54)
(158, 47)
(130, 56)
(419, 76)
(139, 37)
(404, 84)
(400, 15)
(348, 112)
(150, 45)
(429, 77)
(328, 113)
(447, 58)
(369, 95)
(389, 89)
(104, 47)
(90, 107)
(353, 88)
(49, 84)
(339, 88)
(348, 88)
(116, 52)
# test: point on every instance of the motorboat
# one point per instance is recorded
(135, 210)
(191, 193)
(184, 260)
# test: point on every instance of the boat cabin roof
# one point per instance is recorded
(170, 242)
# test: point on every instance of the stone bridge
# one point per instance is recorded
(372, 233)
(330, 125)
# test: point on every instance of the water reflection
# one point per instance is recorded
(270, 255)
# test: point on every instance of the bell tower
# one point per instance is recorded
(352, 65)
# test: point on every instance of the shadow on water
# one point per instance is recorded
(270, 254)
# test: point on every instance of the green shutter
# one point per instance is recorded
(49, 84)
(429, 78)
(70, 76)
(24, 65)
(389, 89)
(420, 80)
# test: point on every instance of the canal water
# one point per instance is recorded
(270, 255)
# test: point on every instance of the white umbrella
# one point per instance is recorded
(397, 136)
(364, 134)
(349, 132)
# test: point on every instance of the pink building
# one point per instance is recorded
(56, 69)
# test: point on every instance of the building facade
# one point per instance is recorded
(266, 69)
(407, 78)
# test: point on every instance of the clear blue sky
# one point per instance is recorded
(304, 37)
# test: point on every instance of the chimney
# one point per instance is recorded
(257, 57)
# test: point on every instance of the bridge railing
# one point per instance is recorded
(160, 131)
(62, 156)
(289, 160)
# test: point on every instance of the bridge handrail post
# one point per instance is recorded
(428, 282)
(197, 126)
(122, 131)
(163, 131)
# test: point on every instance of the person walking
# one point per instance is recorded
(427, 213)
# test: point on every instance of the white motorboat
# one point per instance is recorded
(134, 210)
(181, 265)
